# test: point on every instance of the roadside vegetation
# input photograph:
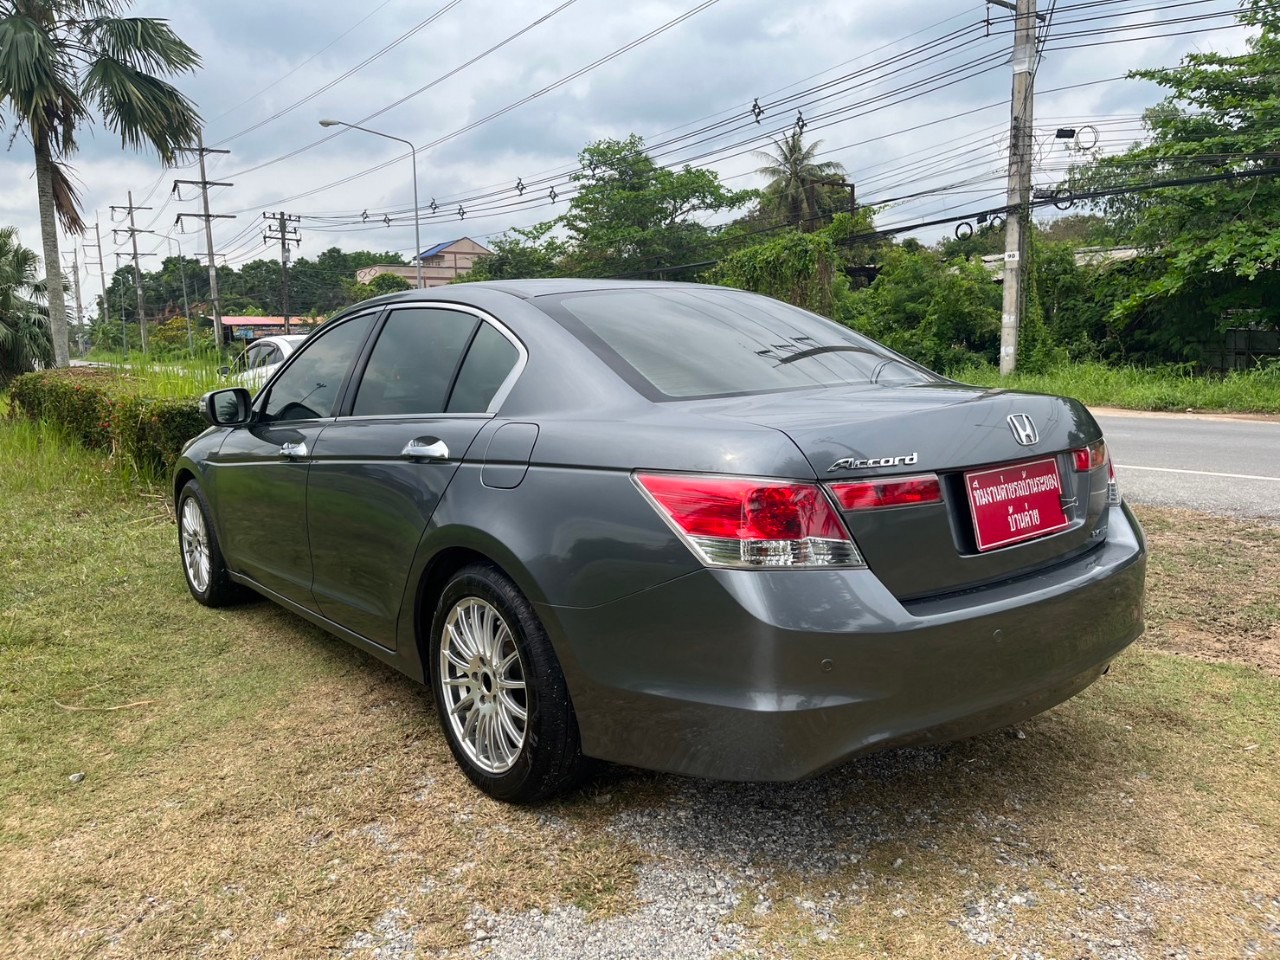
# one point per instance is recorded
(1175, 389)
(253, 787)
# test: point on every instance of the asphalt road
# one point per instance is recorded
(1212, 464)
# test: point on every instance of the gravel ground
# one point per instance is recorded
(718, 856)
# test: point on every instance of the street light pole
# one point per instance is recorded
(413, 155)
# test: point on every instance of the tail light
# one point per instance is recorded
(747, 522)
(1096, 455)
(1090, 457)
(895, 492)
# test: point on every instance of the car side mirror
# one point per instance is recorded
(224, 370)
(226, 408)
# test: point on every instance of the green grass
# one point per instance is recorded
(170, 377)
(1096, 384)
(264, 790)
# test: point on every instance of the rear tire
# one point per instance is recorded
(500, 692)
(203, 566)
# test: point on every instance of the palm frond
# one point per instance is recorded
(66, 200)
(143, 109)
(144, 43)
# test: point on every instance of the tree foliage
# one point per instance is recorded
(796, 194)
(628, 216)
(24, 326)
(939, 312)
(63, 62)
(1213, 248)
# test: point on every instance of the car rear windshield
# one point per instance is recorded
(683, 344)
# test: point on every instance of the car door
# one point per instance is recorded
(259, 474)
(429, 384)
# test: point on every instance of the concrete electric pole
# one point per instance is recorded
(204, 183)
(1018, 220)
(280, 230)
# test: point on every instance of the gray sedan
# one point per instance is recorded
(675, 526)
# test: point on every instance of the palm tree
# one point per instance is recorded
(792, 173)
(24, 328)
(62, 61)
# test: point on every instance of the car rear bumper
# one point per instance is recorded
(777, 675)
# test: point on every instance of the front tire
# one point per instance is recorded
(499, 690)
(203, 566)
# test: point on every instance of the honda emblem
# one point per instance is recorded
(1024, 429)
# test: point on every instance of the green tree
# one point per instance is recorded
(942, 313)
(629, 216)
(377, 286)
(24, 327)
(62, 62)
(795, 193)
(1213, 248)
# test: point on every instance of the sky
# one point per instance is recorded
(912, 97)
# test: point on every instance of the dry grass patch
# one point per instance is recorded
(277, 794)
(1214, 588)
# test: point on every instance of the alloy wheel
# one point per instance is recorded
(195, 545)
(483, 683)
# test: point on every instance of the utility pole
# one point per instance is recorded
(75, 273)
(102, 270)
(204, 183)
(1018, 221)
(280, 230)
(133, 232)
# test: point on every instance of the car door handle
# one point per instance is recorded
(293, 451)
(428, 449)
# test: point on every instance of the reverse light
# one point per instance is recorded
(1113, 486)
(748, 522)
(1090, 457)
(889, 492)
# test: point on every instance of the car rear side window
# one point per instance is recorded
(308, 388)
(413, 363)
(488, 363)
(672, 343)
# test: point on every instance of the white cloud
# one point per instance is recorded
(717, 61)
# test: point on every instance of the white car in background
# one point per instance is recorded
(261, 359)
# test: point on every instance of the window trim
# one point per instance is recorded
(522, 358)
(264, 394)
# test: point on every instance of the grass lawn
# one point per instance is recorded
(255, 788)
(1099, 385)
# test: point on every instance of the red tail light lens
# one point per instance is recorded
(895, 492)
(1090, 457)
(744, 522)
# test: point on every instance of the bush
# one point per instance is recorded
(101, 412)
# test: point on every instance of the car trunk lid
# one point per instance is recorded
(989, 477)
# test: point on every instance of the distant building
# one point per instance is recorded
(440, 264)
(250, 328)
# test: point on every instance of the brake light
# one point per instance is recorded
(1090, 457)
(745, 522)
(895, 492)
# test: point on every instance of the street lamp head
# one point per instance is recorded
(332, 123)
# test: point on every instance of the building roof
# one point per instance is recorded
(438, 248)
(441, 247)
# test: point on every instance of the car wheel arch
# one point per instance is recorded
(439, 570)
(181, 477)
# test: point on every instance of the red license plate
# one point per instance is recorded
(1016, 502)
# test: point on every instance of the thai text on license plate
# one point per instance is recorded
(1015, 502)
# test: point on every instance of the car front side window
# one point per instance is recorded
(308, 388)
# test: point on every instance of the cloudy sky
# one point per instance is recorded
(911, 96)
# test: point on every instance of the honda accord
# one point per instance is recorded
(675, 526)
